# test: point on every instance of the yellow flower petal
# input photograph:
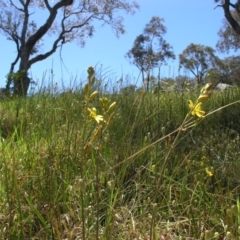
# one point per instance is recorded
(200, 114)
(209, 172)
(196, 109)
(93, 114)
(98, 118)
(191, 104)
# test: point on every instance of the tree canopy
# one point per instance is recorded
(150, 49)
(198, 59)
(229, 70)
(65, 21)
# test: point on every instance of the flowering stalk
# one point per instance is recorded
(195, 110)
(93, 146)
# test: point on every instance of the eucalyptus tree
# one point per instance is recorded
(198, 59)
(229, 68)
(150, 49)
(28, 23)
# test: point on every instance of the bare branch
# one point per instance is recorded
(72, 13)
(238, 6)
(9, 80)
(25, 22)
(229, 17)
(22, 2)
(80, 25)
(45, 27)
(19, 9)
(218, 6)
(232, 5)
(47, 5)
(41, 57)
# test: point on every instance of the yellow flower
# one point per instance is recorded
(93, 114)
(209, 172)
(196, 109)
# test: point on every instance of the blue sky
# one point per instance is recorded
(187, 21)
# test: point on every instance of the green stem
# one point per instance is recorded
(97, 191)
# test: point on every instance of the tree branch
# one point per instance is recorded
(229, 17)
(41, 57)
(25, 23)
(47, 5)
(45, 27)
(237, 6)
(19, 9)
(22, 2)
(80, 25)
(9, 80)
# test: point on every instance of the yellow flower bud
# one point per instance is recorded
(87, 89)
(112, 106)
(93, 95)
(203, 97)
(234, 210)
(216, 235)
(206, 88)
(208, 235)
(118, 218)
(154, 206)
(154, 169)
(229, 235)
(104, 103)
(111, 185)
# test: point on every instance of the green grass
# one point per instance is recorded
(62, 176)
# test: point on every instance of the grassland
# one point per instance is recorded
(70, 172)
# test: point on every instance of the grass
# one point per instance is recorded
(67, 175)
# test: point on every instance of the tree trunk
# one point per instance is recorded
(21, 84)
(22, 81)
(148, 81)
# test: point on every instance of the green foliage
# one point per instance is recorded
(226, 71)
(198, 59)
(16, 76)
(66, 173)
(150, 49)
